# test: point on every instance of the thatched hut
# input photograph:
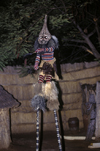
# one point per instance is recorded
(7, 101)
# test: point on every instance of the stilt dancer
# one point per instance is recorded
(46, 92)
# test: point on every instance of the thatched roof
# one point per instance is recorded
(6, 99)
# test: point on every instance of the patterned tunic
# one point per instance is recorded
(47, 55)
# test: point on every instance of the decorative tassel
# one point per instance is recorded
(38, 102)
(57, 130)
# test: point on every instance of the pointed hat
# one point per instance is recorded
(45, 32)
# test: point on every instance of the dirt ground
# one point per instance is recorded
(48, 142)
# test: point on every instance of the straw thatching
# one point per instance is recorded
(6, 101)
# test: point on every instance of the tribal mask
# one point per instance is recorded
(44, 35)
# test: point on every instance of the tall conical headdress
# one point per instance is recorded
(44, 35)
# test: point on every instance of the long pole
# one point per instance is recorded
(57, 130)
(37, 130)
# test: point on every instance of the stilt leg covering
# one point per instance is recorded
(57, 130)
(37, 130)
(51, 94)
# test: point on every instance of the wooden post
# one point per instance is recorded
(97, 131)
(5, 138)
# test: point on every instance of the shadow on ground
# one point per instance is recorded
(26, 142)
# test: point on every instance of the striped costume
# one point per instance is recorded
(47, 55)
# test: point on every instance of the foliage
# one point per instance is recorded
(25, 71)
(19, 26)
(75, 23)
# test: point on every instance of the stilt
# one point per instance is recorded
(57, 130)
(38, 103)
(37, 130)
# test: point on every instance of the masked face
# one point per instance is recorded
(43, 39)
(44, 35)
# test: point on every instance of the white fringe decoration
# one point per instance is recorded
(50, 90)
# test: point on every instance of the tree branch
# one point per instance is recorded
(86, 49)
(89, 35)
(79, 28)
(63, 5)
(88, 41)
(83, 47)
(75, 40)
(97, 29)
